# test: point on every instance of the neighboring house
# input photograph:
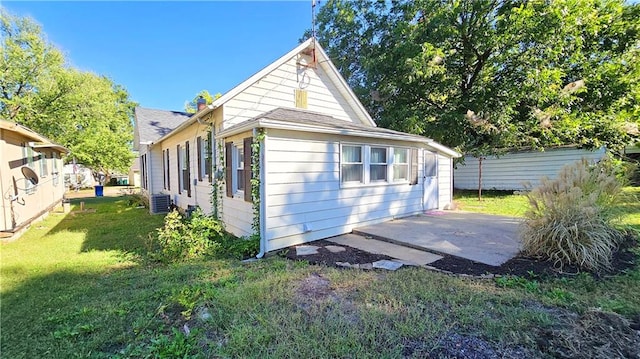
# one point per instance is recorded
(319, 164)
(512, 171)
(27, 154)
(134, 173)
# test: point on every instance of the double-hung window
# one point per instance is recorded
(352, 164)
(374, 164)
(44, 168)
(378, 164)
(239, 161)
(400, 164)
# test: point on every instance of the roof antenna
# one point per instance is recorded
(313, 19)
(313, 30)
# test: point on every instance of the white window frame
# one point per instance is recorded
(44, 168)
(406, 164)
(385, 164)
(184, 168)
(361, 163)
(367, 163)
(238, 170)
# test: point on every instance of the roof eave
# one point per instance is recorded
(281, 125)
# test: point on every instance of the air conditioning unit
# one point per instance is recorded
(160, 203)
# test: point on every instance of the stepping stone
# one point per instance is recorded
(386, 264)
(306, 250)
(335, 249)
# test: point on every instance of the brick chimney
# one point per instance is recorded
(202, 103)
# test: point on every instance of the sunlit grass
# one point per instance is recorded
(81, 286)
(493, 202)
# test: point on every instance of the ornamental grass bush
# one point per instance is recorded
(571, 219)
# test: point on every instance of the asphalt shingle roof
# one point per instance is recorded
(305, 117)
(152, 124)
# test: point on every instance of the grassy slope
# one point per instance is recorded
(77, 286)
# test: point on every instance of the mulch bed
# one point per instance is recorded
(624, 259)
(325, 257)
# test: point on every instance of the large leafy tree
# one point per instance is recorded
(484, 75)
(87, 113)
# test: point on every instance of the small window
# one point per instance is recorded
(186, 176)
(378, 164)
(240, 169)
(352, 165)
(400, 164)
(44, 167)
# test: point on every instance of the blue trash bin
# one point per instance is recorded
(99, 191)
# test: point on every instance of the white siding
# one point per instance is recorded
(511, 171)
(445, 182)
(237, 215)
(304, 200)
(201, 190)
(277, 90)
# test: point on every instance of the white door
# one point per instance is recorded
(430, 181)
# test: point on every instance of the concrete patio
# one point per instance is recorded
(483, 238)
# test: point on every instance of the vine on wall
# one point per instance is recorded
(256, 149)
(217, 183)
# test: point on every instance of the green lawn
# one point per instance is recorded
(507, 204)
(79, 286)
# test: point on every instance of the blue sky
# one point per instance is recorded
(164, 53)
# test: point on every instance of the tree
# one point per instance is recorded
(192, 106)
(486, 75)
(86, 113)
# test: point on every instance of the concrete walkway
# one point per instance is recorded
(405, 255)
(483, 238)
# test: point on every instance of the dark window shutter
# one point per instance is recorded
(179, 167)
(188, 169)
(168, 172)
(228, 167)
(209, 157)
(414, 166)
(199, 155)
(247, 169)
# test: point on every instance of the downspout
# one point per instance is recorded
(263, 204)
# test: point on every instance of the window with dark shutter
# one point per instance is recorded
(178, 160)
(228, 168)
(209, 149)
(199, 156)
(168, 172)
(247, 169)
(187, 172)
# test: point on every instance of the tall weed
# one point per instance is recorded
(571, 219)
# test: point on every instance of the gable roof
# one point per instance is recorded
(153, 124)
(323, 61)
(309, 121)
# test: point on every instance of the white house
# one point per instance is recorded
(513, 170)
(291, 155)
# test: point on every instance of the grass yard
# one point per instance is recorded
(80, 286)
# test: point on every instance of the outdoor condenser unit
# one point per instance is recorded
(160, 203)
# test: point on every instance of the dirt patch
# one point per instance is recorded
(454, 345)
(595, 334)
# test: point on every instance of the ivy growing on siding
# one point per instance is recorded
(256, 148)
(217, 183)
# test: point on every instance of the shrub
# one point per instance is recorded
(186, 238)
(199, 236)
(570, 219)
